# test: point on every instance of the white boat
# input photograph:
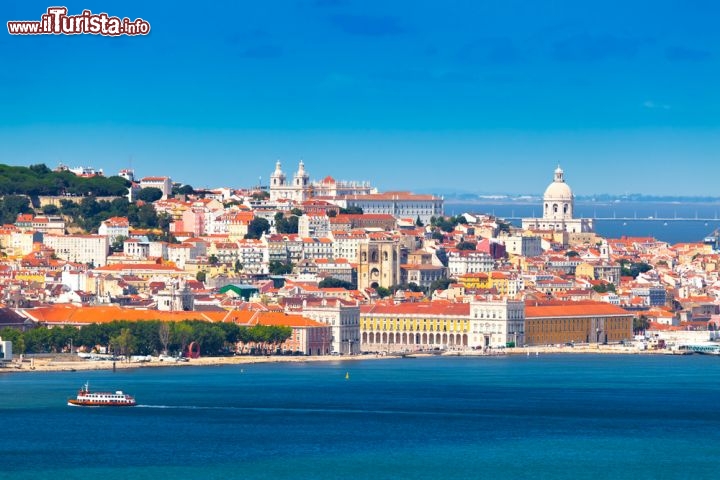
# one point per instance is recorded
(86, 398)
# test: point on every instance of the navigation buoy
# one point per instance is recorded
(347, 375)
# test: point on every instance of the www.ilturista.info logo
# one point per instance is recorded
(57, 22)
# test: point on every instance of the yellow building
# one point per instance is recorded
(414, 326)
(498, 280)
(578, 322)
(409, 326)
(474, 280)
(585, 270)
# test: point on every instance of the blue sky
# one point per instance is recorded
(477, 96)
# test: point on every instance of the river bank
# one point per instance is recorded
(66, 362)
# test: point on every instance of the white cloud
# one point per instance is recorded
(651, 104)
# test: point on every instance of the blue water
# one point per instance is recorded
(425, 418)
(637, 213)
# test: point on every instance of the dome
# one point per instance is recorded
(558, 191)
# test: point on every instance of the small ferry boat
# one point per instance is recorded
(86, 398)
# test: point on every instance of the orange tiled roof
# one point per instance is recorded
(572, 309)
(67, 314)
(427, 308)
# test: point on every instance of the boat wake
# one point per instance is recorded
(314, 410)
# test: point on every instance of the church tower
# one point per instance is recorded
(278, 188)
(301, 183)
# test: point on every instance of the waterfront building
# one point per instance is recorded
(342, 316)
(308, 336)
(554, 322)
(482, 323)
(558, 210)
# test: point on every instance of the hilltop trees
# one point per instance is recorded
(40, 180)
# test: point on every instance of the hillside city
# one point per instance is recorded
(327, 267)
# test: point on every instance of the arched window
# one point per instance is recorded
(555, 208)
(385, 256)
(374, 257)
(565, 208)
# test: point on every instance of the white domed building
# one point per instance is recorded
(558, 206)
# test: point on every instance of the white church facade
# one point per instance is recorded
(558, 209)
(300, 188)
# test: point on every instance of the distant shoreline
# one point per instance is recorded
(63, 364)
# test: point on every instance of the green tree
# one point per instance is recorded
(50, 209)
(572, 253)
(604, 288)
(382, 292)
(118, 244)
(124, 343)
(351, 211)
(280, 268)
(466, 245)
(164, 336)
(331, 282)
(640, 324)
(297, 212)
(201, 276)
(419, 222)
(149, 194)
(441, 284)
(257, 227)
(182, 333)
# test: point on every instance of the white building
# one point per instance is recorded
(347, 244)
(6, 353)
(497, 322)
(523, 246)
(469, 261)
(298, 190)
(87, 249)
(313, 225)
(163, 183)
(253, 255)
(314, 248)
(114, 228)
(398, 204)
(558, 205)
(343, 317)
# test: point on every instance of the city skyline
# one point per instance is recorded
(474, 98)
